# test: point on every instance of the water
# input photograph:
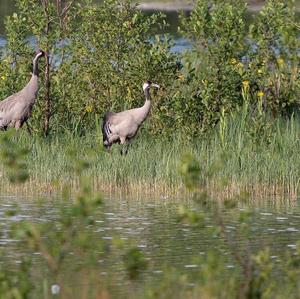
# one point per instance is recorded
(153, 224)
(172, 18)
(154, 227)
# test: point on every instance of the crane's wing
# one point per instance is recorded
(7, 108)
(112, 121)
(8, 104)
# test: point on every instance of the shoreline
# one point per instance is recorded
(187, 8)
(237, 191)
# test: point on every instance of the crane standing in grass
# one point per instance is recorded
(16, 109)
(123, 126)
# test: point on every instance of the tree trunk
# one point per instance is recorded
(47, 95)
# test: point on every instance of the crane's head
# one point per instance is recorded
(148, 84)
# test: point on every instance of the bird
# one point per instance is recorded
(123, 126)
(16, 109)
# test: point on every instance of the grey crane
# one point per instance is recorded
(123, 126)
(16, 109)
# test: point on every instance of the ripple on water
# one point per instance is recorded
(191, 266)
(292, 230)
(165, 242)
(266, 214)
(281, 218)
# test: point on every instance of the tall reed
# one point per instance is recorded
(265, 164)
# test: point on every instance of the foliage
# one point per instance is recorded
(265, 165)
(47, 23)
(117, 38)
(101, 64)
(210, 75)
(15, 284)
(91, 68)
(135, 262)
(233, 83)
(13, 159)
(228, 56)
(71, 239)
(255, 274)
(273, 65)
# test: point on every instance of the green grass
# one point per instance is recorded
(267, 165)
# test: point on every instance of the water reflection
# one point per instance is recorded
(153, 226)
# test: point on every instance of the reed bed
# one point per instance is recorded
(261, 167)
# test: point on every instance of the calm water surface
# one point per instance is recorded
(153, 226)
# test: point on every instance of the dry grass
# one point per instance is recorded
(248, 166)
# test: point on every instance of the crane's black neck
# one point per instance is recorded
(36, 65)
(35, 71)
(147, 94)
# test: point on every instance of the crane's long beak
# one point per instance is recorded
(155, 85)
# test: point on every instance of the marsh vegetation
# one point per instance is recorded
(234, 93)
(222, 137)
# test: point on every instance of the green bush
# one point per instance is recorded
(100, 55)
(228, 58)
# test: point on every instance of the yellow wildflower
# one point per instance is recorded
(3, 78)
(181, 77)
(260, 71)
(245, 84)
(260, 94)
(89, 109)
(233, 61)
(280, 61)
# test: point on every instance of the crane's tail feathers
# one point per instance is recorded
(106, 131)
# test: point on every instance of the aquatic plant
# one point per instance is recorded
(68, 242)
(259, 156)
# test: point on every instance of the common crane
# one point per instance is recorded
(16, 109)
(123, 126)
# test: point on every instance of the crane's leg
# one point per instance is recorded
(123, 145)
(128, 144)
(18, 124)
(107, 147)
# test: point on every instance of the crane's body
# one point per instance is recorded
(16, 109)
(123, 126)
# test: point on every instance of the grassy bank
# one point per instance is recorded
(232, 160)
